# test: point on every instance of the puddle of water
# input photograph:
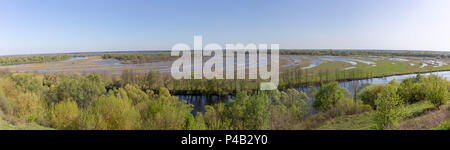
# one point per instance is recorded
(314, 64)
(341, 59)
(348, 68)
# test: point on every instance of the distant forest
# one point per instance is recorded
(366, 53)
(12, 60)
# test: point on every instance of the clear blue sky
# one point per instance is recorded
(48, 26)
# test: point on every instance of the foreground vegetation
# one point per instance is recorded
(93, 102)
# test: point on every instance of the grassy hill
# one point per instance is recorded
(419, 116)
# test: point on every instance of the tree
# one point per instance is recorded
(110, 113)
(93, 87)
(151, 79)
(438, 92)
(411, 89)
(389, 107)
(256, 114)
(295, 101)
(328, 96)
(63, 114)
(67, 88)
(27, 82)
(167, 113)
(133, 93)
(370, 94)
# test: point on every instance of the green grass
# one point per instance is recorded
(334, 70)
(444, 126)
(4, 125)
(364, 121)
(351, 122)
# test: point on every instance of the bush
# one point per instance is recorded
(92, 87)
(345, 107)
(215, 118)
(134, 94)
(389, 108)
(256, 114)
(444, 126)
(5, 107)
(69, 87)
(437, 93)
(328, 96)
(197, 123)
(167, 113)
(369, 94)
(26, 82)
(63, 114)
(28, 107)
(411, 90)
(109, 113)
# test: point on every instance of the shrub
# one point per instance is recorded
(28, 107)
(369, 94)
(328, 96)
(167, 113)
(69, 87)
(437, 93)
(133, 93)
(109, 113)
(444, 126)
(215, 118)
(389, 108)
(63, 114)
(256, 114)
(411, 90)
(92, 87)
(26, 82)
(197, 123)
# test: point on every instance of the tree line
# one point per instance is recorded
(384, 53)
(139, 58)
(12, 60)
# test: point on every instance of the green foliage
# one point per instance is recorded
(328, 96)
(411, 90)
(151, 79)
(83, 90)
(370, 94)
(27, 82)
(362, 53)
(444, 126)
(10, 60)
(139, 58)
(63, 114)
(134, 94)
(215, 118)
(81, 102)
(109, 113)
(68, 87)
(167, 113)
(92, 87)
(256, 114)
(438, 93)
(389, 107)
(197, 123)
(28, 107)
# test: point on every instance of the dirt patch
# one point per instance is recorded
(429, 120)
